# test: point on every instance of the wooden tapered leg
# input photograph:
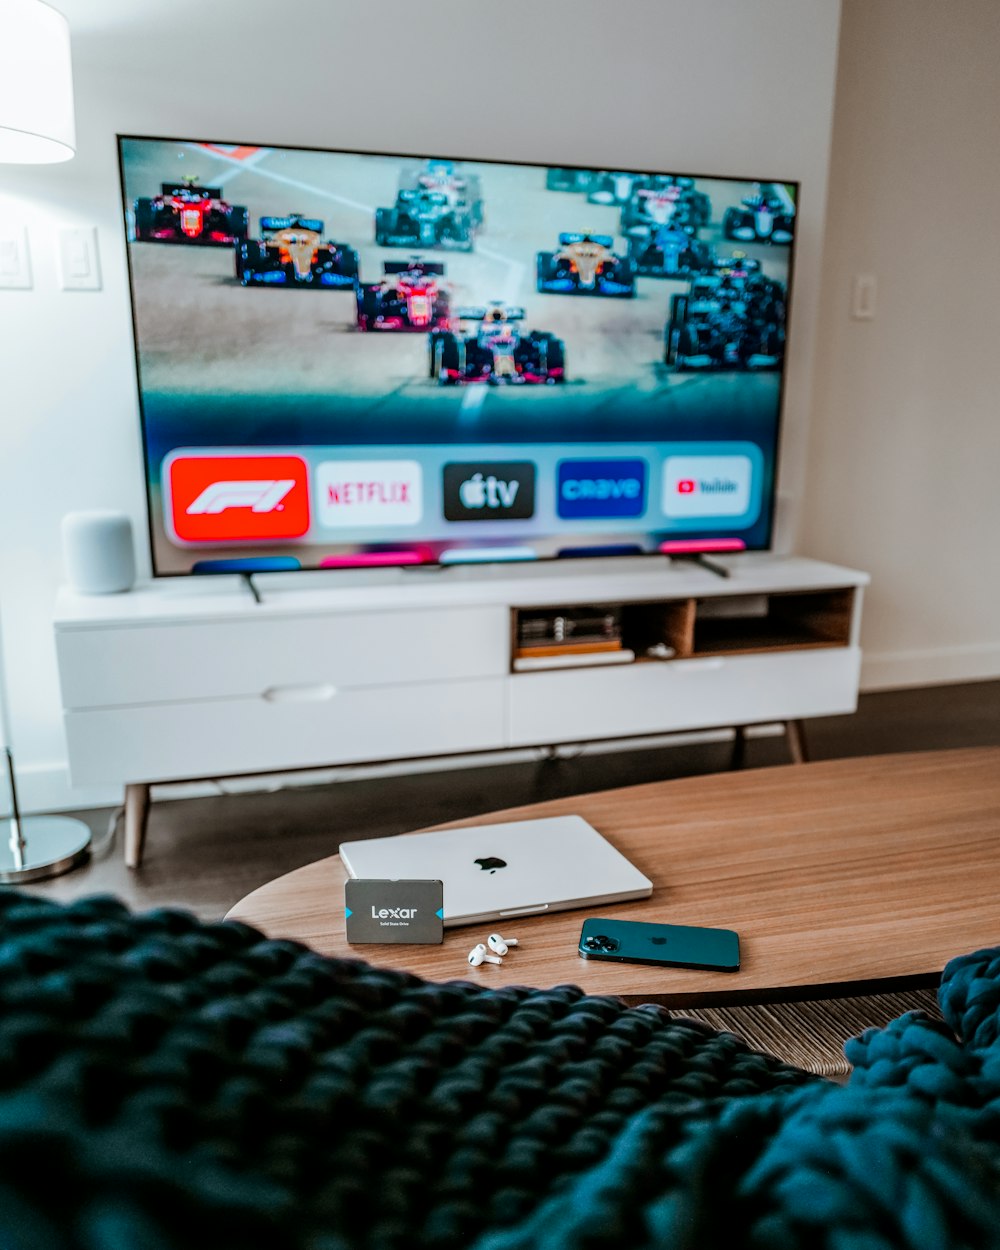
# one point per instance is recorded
(795, 731)
(136, 817)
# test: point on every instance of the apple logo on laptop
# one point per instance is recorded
(490, 863)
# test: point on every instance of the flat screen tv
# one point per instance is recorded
(355, 359)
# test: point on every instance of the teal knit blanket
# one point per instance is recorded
(166, 1083)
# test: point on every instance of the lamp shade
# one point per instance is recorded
(36, 84)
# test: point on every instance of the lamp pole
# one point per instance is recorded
(33, 848)
(16, 844)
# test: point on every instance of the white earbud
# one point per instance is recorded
(479, 956)
(500, 944)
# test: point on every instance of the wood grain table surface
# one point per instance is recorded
(842, 877)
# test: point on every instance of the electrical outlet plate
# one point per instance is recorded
(863, 297)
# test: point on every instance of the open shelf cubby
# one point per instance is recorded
(678, 629)
(774, 622)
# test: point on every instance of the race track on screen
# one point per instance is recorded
(209, 344)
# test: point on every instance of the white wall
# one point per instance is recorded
(720, 86)
(904, 464)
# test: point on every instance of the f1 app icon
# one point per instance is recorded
(213, 499)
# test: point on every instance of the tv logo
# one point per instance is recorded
(357, 493)
(704, 486)
(234, 499)
(489, 491)
(601, 488)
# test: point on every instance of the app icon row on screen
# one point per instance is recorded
(267, 498)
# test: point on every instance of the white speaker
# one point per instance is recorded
(98, 551)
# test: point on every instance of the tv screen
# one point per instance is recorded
(354, 359)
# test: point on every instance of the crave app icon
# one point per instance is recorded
(489, 490)
(222, 499)
(601, 488)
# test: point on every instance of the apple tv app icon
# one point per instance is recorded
(489, 490)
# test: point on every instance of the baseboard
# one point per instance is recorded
(46, 787)
(931, 666)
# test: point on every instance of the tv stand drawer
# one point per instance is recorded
(307, 727)
(573, 705)
(141, 664)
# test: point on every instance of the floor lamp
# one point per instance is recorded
(36, 127)
(34, 847)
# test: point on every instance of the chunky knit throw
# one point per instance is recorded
(166, 1083)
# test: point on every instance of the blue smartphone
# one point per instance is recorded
(669, 945)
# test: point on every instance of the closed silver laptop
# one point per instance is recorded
(497, 872)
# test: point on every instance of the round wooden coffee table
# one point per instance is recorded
(842, 877)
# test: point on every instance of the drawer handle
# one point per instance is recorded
(300, 694)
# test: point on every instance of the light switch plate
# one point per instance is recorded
(15, 259)
(79, 260)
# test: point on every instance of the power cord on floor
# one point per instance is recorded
(558, 754)
(100, 848)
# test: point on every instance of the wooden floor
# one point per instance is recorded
(205, 854)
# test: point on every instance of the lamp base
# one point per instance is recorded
(52, 845)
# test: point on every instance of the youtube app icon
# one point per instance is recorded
(235, 499)
(696, 486)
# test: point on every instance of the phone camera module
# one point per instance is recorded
(601, 942)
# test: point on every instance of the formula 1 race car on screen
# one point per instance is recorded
(669, 252)
(766, 216)
(187, 213)
(617, 187)
(409, 297)
(737, 265)
(717, 327)
(291, 251)
(497, 351)
(570, 179)
(462, 189)
(614, 187)
(674, 202)
(585, 265)
(423, 218)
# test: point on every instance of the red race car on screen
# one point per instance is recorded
(187, 213)
(409, 297)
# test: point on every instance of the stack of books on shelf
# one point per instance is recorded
(569, 638)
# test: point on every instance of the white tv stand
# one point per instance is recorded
(185, 679)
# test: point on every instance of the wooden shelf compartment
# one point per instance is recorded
(775, 622)
(669, 624)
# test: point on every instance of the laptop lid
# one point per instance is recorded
(494, 872)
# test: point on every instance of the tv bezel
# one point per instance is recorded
(771, 503)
